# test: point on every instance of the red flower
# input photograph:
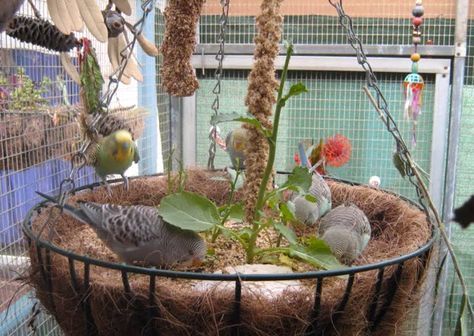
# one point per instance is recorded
(337, 150)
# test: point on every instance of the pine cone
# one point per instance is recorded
(40, 32)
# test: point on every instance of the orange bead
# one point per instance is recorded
(415, 57)
(417, 21)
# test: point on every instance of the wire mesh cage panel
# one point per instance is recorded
(38, 135)
(315, 22)
(335, 104)
(462, 239)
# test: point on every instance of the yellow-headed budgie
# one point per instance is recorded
(139, 233)
(114, 154)
(236, 142)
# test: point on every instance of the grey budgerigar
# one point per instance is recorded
(350, 216)
(139, 233)
(344, 243)
(306, 212)
(309, 212)
(320, 190)
(8, 8)
(351, 225)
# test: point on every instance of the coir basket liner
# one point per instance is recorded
(91, 293)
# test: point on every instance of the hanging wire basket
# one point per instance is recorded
(90, 295)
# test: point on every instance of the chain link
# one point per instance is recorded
(79, 160)
(381, 105)
(218, 76)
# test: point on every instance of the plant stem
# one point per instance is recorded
(272, 140)
(273, 250)
(217, 230)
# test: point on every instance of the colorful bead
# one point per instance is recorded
(417, 21)
(418, 11)
(416, 40)
(415, 57)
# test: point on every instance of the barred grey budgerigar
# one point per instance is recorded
(346, 230)
(309, 212)
(8, 8)
(350, 216)
(344, 243)
(139, 233)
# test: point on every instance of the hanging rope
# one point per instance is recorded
(213, 133)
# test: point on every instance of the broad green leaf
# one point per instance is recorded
(310, 198)
(189, 211)
(91, 82)
(299, 177)
(228, 117)
(317, 253)
(286, 232)
(225, 117)
(287, 212)
(236, 212)
(399, 164)
(245, 234)
(295, 90)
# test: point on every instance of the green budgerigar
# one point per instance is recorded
(114, 154)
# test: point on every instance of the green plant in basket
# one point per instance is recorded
(272, 215)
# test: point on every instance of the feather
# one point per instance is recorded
(60, 15)
(113, 52)
(75, 15)
(131, 69)
(93, 18)
(148, 47)
(69, 67)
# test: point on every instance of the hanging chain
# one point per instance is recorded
(78, 160)
(218, 76)
(381, 105)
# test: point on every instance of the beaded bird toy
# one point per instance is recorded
(413, 83)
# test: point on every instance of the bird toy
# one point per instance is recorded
(413, 83)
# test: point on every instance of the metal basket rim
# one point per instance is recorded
(152, 271)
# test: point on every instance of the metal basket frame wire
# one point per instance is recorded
(375, 313)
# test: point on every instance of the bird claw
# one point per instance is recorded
(107, 186)
(125, 182)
